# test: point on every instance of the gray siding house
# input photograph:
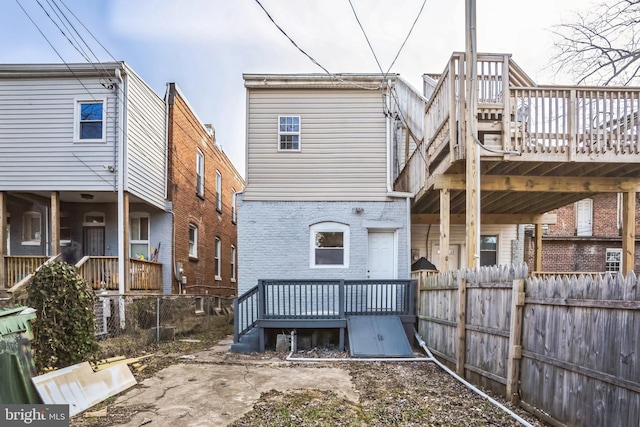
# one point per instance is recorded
(82, 175)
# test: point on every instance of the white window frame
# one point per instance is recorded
(77, 116)
(233, 263)
(199, 173)
(27, 232)
(497, 250)
(134, 216)
(217, 266)
(218, 191)
(234, 202)
(610, 252)
(329, 227)
(193, 241)
(285, 133)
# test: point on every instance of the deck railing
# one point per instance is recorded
(19, 267)
(145, 275)
(99, 272)
(541, 123)
(321, 300)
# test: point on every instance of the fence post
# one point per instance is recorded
(515, 340)
(462, 323)
(158, 319)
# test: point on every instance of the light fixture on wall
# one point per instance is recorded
(358, 210)
(86, 196)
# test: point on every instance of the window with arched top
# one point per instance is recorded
(329, 245)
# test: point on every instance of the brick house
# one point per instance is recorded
(586, 236)
(202, 187)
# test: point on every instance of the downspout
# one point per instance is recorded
(167, 102)
(121, 172)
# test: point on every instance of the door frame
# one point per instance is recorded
(394, 232)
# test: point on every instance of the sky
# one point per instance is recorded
(206, 45)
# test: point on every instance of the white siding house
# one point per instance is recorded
(319, 200)
(82, 170)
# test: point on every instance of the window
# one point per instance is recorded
(289, 133)
(31, 223)
(613, 260)
(488, 250)
(218, 191)
(199, 173)
(233, 205)
(139, 235)
(90, 123)
(217, 260)
(193, 241)
(93, 219)
(329, 245)
(233, 263)
(65, 229)
(584, 217)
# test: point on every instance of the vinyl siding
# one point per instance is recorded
(37, 151)
(457, 236)
(146, 142)
(343, 145)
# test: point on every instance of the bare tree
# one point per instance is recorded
(602, 45)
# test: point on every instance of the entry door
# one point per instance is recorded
(381, 257)
(454, 256)
(93, 241)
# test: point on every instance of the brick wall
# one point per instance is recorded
(186, 135)
(563, 251)
(274, 238)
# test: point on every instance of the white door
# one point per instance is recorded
(584, 217)
(381, 259)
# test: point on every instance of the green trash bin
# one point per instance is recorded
(16, 362)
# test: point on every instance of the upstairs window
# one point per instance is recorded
(488, 250)
(199, 173)
(89, 123)
(193, 241)
(233, 263)
(329, 245)
(289, 133)
(31, 227)
(233, 205)
(218, 191)
(216, 265)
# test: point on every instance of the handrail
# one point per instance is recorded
(99, 272)
(245, 313)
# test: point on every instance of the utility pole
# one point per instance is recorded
(472, 149)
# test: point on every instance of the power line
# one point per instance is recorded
(367, 39)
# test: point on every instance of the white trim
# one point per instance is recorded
(217, 256)
(606, 256)
(200, 173)
(218, 191)
(139, 215)
(193, 254)
(76, 119)
(329, 226)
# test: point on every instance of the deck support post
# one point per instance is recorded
(3, 239)
(537, 263)
(55, 223)
(445, 207)
(126, 279)
(628, 231)
(472, 150)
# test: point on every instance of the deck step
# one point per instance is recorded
(377, 336)
(249, 343)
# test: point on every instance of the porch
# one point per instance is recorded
(99, 272)
(319, 304)
(525, 149)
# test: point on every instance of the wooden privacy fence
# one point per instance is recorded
(563, 347)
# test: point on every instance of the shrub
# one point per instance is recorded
(64, 327)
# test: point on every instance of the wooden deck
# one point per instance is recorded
(542, 147)
(319, 304)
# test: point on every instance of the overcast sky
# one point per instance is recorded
(206, 45)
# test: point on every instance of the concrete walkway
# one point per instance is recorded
(216, 387)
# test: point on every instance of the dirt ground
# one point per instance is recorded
(214, 387)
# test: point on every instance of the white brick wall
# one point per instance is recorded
(273, 238)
